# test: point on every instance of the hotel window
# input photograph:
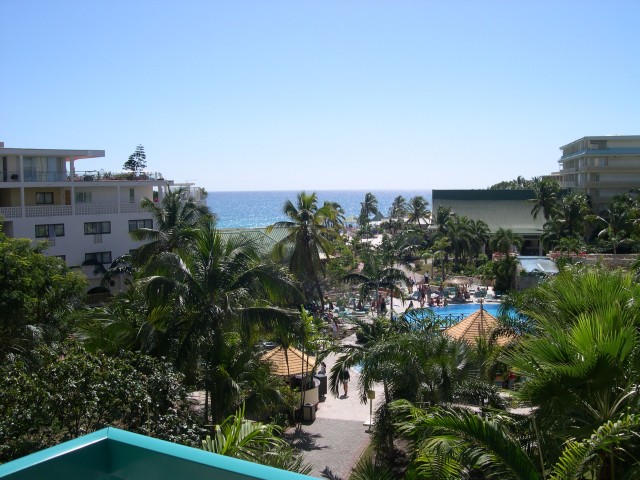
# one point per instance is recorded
(83, 197)
(44, 198)
(97, 257)
(136, 224)
(132, 196)
(95, 228)
(51, 230)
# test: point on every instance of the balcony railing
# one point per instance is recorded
(80, 176)
(95, 209)
(11, 212)
(101, 176)
(64, 210)
(48, 211)
(130, 208)
(10, 176)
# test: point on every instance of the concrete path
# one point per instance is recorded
(338, 437)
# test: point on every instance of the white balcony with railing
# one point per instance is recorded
(11, 212)
(48, 211)
(80, 176)
(64, 210)
(95, 209)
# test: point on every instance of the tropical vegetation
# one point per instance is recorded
(200, 303)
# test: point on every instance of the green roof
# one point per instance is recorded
(113, 454)
(264, 241)
(483, 195)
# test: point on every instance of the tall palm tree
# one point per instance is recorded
(398, 208)
(480, 236)
(175, 220)
(333, 215)
(571, 213)
(460, 234)
(215, 286)
(546, 197)
(377, 274)
(417, 209)
(397, 212)
(367, 208)
(307, 238)
(442, 217)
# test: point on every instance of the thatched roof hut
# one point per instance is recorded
(278, 361)
(477, 325)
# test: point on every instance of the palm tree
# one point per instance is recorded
(215, 286)
(307, 238)
(367, 208)
(398, 208)
(417, 209)
(397, 212)
(546, 197)
(460, 234)
(504, 240)
(442, 217)
(581, 362)
(175, 220)
(333, 215)
(377, 273)
(453, 443)
(240, 438)
(480, 236)
(439, 251)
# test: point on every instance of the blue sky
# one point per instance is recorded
(292, 95)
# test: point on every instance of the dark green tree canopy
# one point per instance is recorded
(137, 161)
(37, 293)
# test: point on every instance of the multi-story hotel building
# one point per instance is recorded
(601, 167)
(85, 216)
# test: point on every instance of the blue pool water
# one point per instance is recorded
(465, 309)
(449, 315)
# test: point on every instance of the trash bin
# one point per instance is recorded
(322, 389)
(308, 412)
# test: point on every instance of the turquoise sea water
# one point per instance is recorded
(260, 209)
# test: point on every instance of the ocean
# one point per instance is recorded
(260, 209)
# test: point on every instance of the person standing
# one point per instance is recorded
(344, 378)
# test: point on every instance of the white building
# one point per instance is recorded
(601, 167)
(84, 215)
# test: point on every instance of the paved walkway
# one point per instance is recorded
(338, 437)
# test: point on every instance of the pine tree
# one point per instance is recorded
(137, 160)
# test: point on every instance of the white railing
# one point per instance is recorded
(48, 210)
(61, 210)
(95, 209)
(130, 208)
(11, 212)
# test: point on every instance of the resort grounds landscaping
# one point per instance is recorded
(545, 388)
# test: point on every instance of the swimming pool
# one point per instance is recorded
(451, 314)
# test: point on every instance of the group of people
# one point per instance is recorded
(426, 296)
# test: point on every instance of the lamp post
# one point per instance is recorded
(371, 395)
